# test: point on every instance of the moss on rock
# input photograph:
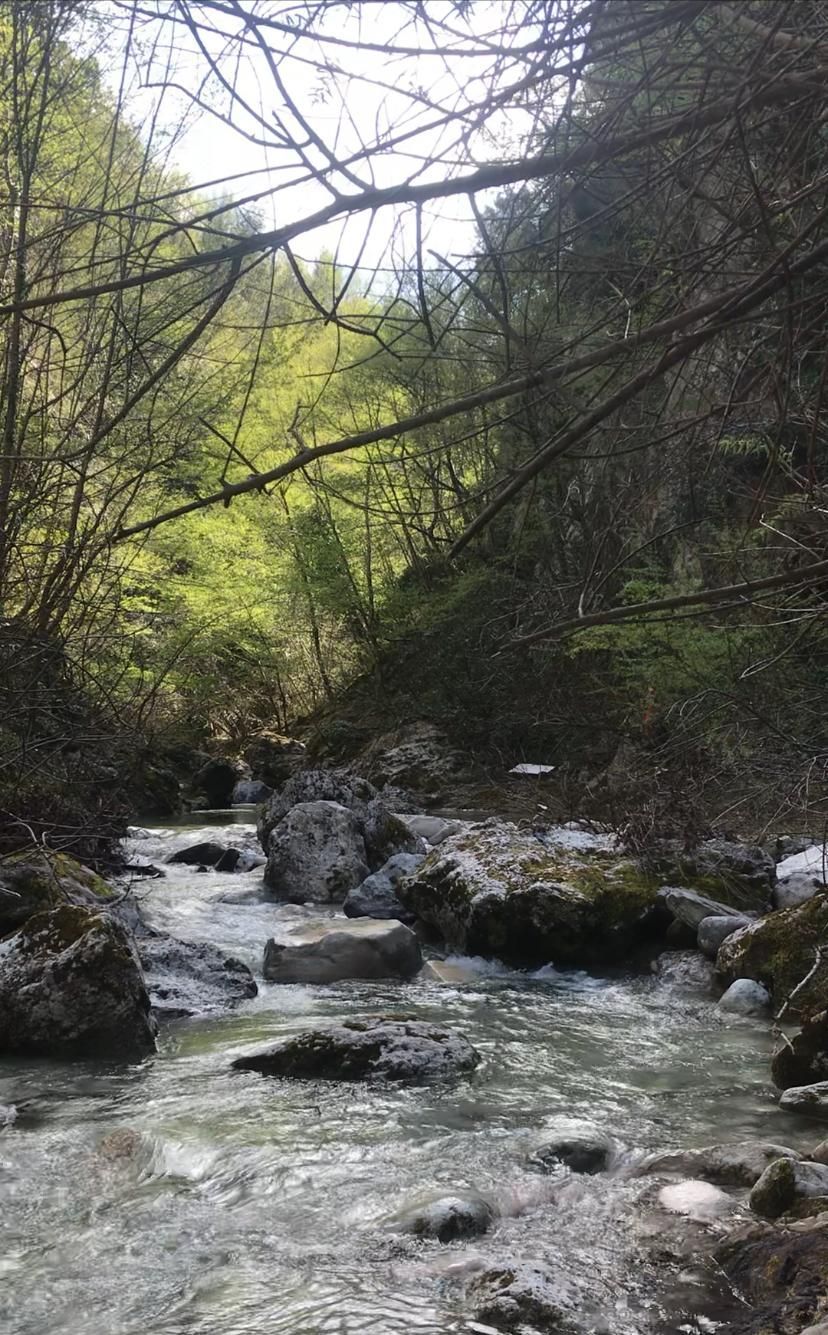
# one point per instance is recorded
(780, 951)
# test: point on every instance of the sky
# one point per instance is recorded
(363, 96)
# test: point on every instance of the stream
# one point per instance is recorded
(247, 1205)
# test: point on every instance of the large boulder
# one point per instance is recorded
(781, 1273)
(377, 896)
(316, 853)
(498, 891)
(185, 978)
(738, 1165)
(740, 876)
(384, 1048)
(36, 880)
(803, 1060)
(785, 951)
(809, 1100)
(327, 952)
(714, 930)
(786, 1183)
(71, 985)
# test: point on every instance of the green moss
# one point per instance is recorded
(781, 951)
(55, 931)
(42, 871)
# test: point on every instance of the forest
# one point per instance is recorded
(286, 451)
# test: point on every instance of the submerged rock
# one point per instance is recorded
(413, 1051)
(501, 892)
(686, 970)
(185, 978)
(377, 896)
(737, 1165)
(810, 1100)
(580, 1153)
(744, 997)
(71, 985)
(328, 951)
(512, 1297)
(697, 1200)
(804, 1059)
(446, 1217)
(786, 1184)
(782, 951)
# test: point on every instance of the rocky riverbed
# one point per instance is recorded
(414, 1136)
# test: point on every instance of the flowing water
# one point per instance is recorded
(236, 1205)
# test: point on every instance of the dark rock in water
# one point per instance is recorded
(501, 892)
(804, 1059)
(185, 978)
(377, 897)
(413, 1051)
(519, 1296)
(36, 880)
(785, 951)
(580, 1154)
(216, 780)
(247, 791)
(328, 951)
(735, 875)
(447, 1218)
(71, 985)
(809, 1100)
(737, 1165)
(199, 855)
(781, 1273)
(786, 1184)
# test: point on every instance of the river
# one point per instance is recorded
(249, 1205)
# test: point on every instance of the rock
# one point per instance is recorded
(184, 978)
(446, 1218)
(737, 1165)
(784, 1184)
(716, 929)
(247, 791)
(316, 853)
(327, 952)
(376, 897)
(434, 829)
(781, 951)
(820, 1153)
(781, 1273)
(737, 876)
(385, 1048)
(273, 759)
(71, 985)
(36, 880)
(205, 854)
(513, 1297)
(501, 892)
(417, 756)
(744, 997)
(685, 969)
(804, 1059)
(216, 780)
(795, 889)
(580, 1153)
(810, 1100)
(240, 860)
(699, 1201)
(789, 844)
(689, 907)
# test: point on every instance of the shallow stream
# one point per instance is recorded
(247, 1205)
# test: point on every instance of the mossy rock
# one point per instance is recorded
(780, 1272)
(34, 880)
(501, 892)
(780, 951)
(738, 875)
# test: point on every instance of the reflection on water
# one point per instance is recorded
(245, 1205)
